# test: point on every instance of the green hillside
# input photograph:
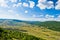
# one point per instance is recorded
(12, 29)
(53, 25)
(15, 35)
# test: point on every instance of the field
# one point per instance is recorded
(39, 32)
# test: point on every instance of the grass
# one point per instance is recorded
(6, 34)
(42, 33)
(39, 32)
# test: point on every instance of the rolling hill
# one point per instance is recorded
(49, 30)
(53, 25)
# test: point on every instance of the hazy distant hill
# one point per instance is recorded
(11, 22)
(53, 25)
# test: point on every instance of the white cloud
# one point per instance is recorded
(40, 1)
(3, 3)
(57, 7)
(14, 5)
(49, 16)
(32, 4)
(37, 16)
(58, 1)
(13, 0)
(46, 18)
(10, 14)
(17, 5)
(10, 11)
(45, 4)
(26, 11)
(58, 16)
(50, 4)
(25, 4)
(39, 19)
(5, 14)
(41, 6)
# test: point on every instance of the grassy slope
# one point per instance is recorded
(42, 33)
(53, 25)
(15, 35)
(39, 32)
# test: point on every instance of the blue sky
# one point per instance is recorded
(30, 10)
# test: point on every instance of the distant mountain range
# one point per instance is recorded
(54, 25)
(11, 22)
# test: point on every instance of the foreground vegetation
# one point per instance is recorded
(30, 33)
(15, 35)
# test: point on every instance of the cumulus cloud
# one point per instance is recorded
(58, 16)
(37, 16)
(50, 5)
(13, 0)
(3, 3)
(26, 11)
(41, 6)
(57, 7)
(40, 1)
(25, 4)
(17, 5)
(32, 4)
(45, 4)
(49, 16)
(14, 5)
(45, 18)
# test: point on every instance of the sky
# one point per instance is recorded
(30, 10)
